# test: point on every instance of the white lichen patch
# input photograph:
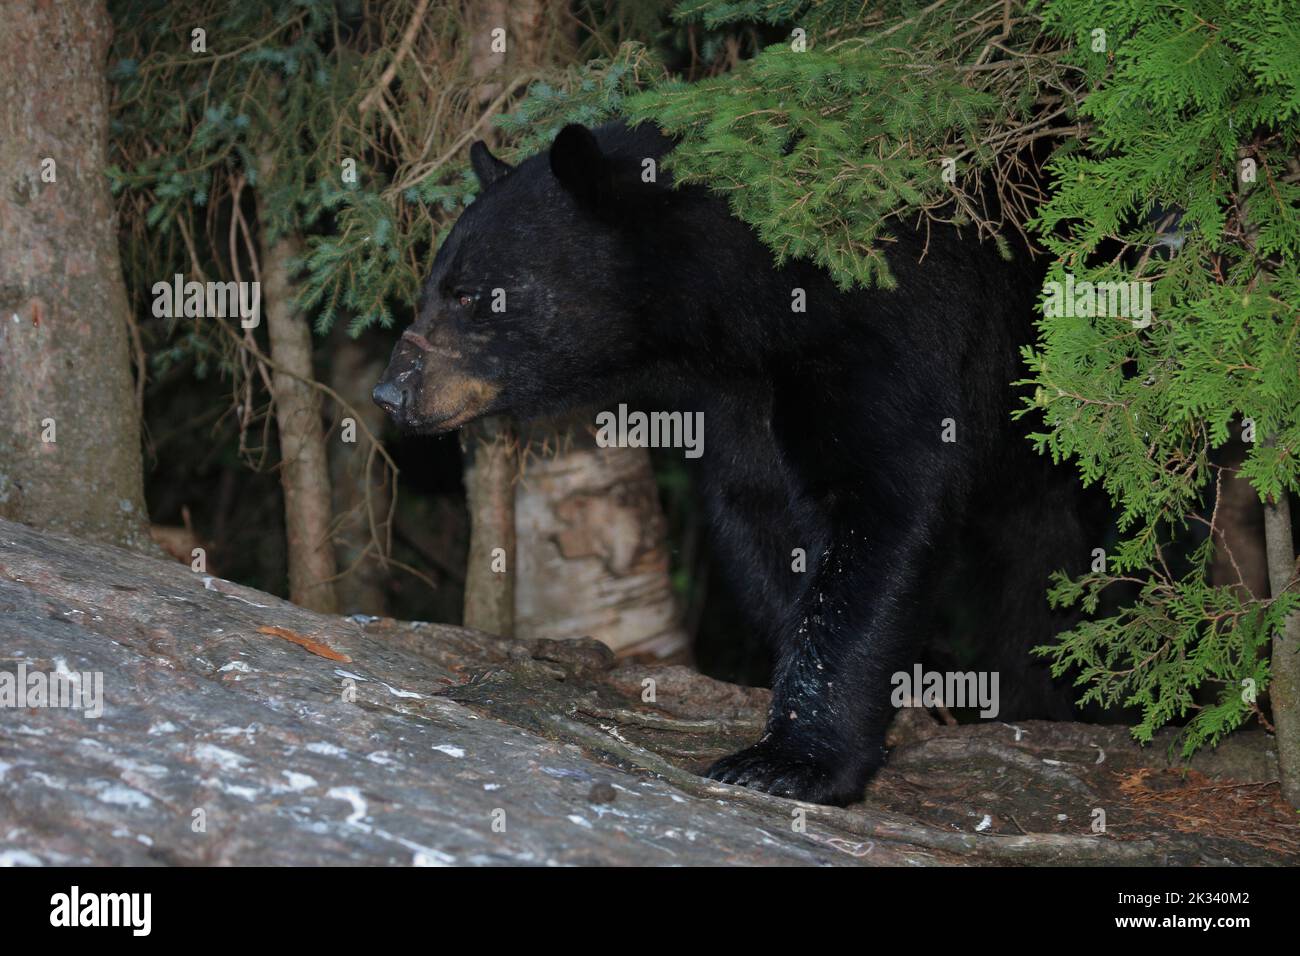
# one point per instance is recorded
(247, 732)
(299, 782)
(352, 796)
(19, 858)
(234, 789)
(225, 759)
(124, 797)
(326, 749)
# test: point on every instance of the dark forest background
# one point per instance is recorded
(320, 147)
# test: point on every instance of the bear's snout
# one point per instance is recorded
(390, 398)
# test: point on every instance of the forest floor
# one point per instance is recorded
(238, 728)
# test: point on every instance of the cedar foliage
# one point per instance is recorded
(1193, 108)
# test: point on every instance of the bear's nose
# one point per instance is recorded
(388, 397)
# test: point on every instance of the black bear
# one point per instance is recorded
(870, 432)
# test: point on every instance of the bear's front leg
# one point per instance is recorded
(831, 687)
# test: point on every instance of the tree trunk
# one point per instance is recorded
(492, 464)
(304, 466)
(1240, 561)
(489, 447)
(1284, 684)
(360, 495)
(592, 550)
(69, 426)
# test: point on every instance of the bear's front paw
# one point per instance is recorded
(773, 769)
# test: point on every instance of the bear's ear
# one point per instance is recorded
(487, 167)
(579, 165)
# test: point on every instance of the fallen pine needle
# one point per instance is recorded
(306, 643)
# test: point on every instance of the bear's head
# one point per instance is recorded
(536, 298)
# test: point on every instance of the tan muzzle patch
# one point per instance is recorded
(456, 399)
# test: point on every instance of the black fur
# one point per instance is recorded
(822, 428)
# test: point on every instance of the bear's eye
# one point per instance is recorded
(466, 299)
